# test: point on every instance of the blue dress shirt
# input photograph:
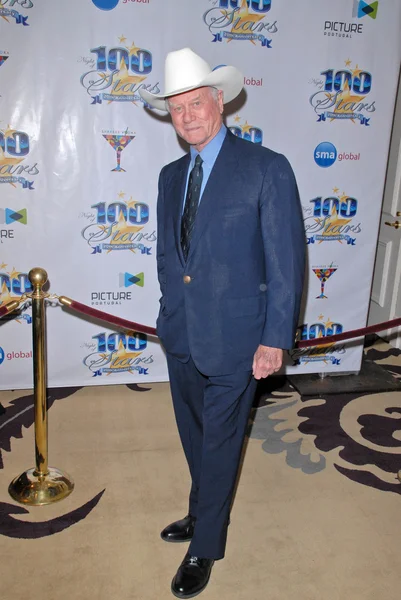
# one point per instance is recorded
(208, 155)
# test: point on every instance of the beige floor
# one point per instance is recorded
(293, 535)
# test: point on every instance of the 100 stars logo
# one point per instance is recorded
(327, 353)
(343, 94)
(241, 20)
(118, 73)
(10, 14)
(246, 131)
(119, 225)
(13, 284)
(112, 353)
(14, 149)
(332, 219)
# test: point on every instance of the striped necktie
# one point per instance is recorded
(191, 205)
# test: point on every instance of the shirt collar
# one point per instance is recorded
(211, 150)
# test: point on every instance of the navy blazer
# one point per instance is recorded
(242, 283)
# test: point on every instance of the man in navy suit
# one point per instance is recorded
(230, 261)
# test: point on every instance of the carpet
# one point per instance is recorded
(316, 513)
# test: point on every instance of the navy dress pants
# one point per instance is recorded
(212, 415)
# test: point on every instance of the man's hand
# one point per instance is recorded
(266, 361)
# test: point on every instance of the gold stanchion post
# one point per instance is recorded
(43, 484)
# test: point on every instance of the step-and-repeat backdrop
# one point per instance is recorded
(80, 157)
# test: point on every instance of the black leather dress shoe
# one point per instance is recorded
(192, 576)
(179, 531)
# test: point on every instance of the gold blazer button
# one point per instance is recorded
(187, 279)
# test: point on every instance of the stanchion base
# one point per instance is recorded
(29, 488)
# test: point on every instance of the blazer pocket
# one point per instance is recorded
(244, 307)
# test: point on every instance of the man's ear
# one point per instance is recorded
(221, 101)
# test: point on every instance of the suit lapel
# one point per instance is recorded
(176, 195)
(222, 172)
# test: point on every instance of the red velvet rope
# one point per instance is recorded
(103, 316)
(132, 326)
(9, 307)
(354, 333)
(3, 311)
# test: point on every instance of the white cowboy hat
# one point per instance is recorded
(185, 71)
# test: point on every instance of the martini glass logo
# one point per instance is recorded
(119, 142)
(105, 4)
(323, 274)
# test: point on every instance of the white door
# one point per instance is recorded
(385, 302)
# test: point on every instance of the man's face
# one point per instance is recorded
(197, 115)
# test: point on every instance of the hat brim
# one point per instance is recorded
(227, 79)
